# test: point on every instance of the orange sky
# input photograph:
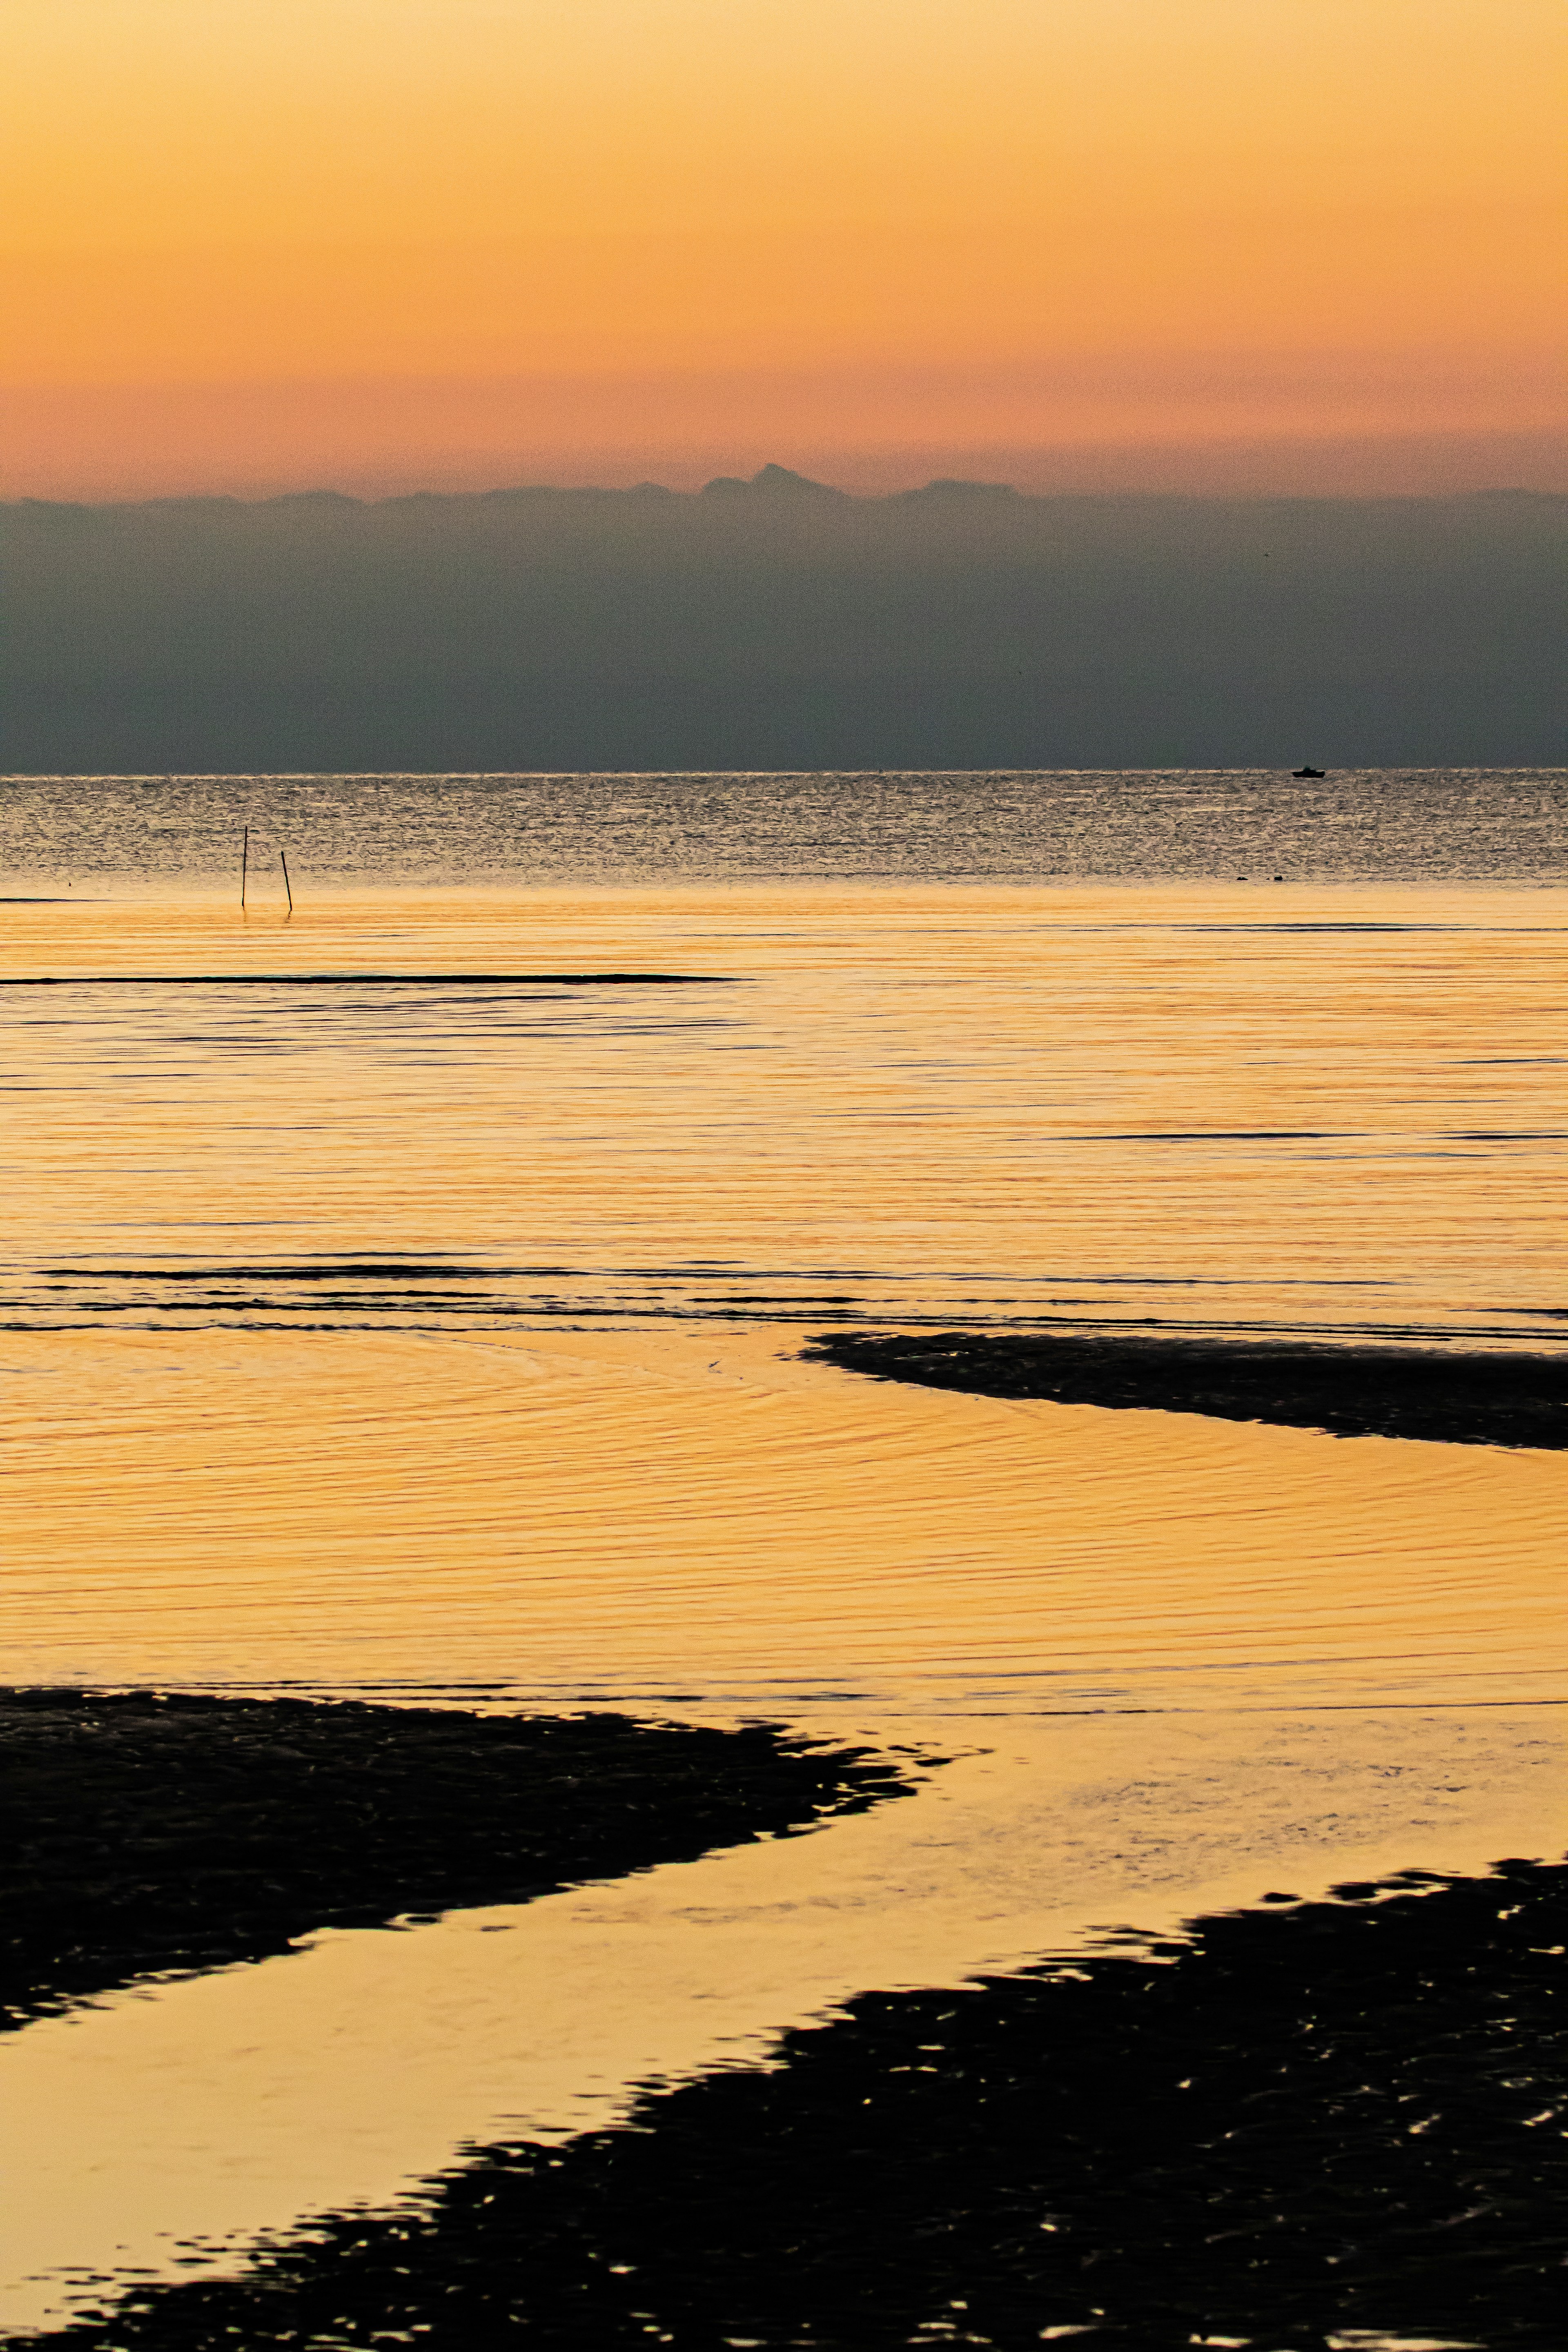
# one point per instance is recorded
(253, 244)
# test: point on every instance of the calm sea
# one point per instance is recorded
(1226, 1051)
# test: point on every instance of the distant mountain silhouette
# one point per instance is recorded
(774, 481)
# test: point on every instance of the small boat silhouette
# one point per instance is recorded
(1308, 771)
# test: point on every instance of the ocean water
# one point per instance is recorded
(155, 833)
(403, 1292)
(990, 1050)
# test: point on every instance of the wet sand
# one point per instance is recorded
(1447, 1396)
(1318, 2125)
(159, 1832)
(178, 2125)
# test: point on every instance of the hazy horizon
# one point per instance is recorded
(67, 446)
(771, 475)
(778, 624)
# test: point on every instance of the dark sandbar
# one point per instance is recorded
(374, 980)
(144, 1833)
(1301, 2123)
(1458, 1398)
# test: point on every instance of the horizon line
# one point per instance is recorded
(773, 480)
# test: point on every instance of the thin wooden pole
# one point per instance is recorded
(284, 863)
(243, 862)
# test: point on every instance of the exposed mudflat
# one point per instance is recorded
(153, 1831)
(1453, 1397)
(1318, 2124)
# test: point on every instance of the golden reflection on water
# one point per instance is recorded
(487, 1386)
(692, 1514)
(1255, 1107)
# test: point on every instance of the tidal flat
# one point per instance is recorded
(394, 1334)
(1314, 2123)
(1307, 2124)
(153, 1831)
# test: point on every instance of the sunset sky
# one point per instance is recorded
(254, 245)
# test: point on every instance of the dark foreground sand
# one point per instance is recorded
(1458, 1397)
(144, 1832)
(1308, 2120)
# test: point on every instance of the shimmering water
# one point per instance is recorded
(1371, 824)
(406, 1294)
(887, 1088)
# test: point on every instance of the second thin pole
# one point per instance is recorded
(243, 862)
(284, 863)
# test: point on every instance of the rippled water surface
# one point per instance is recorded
(406, 1293)
(884, 1087)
